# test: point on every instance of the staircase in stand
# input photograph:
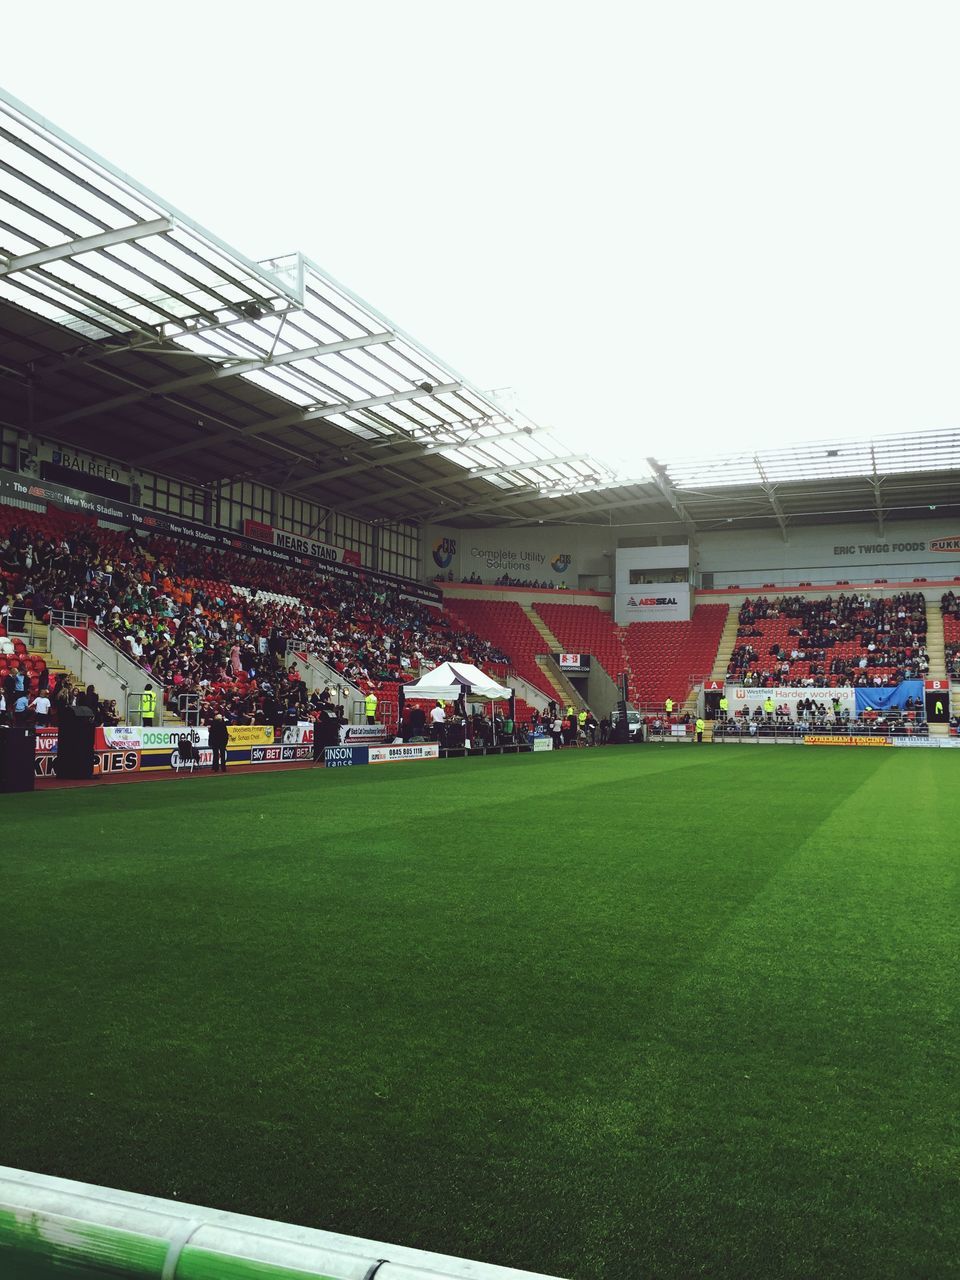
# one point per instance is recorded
(38, 639)
(728, 642)
(691, 701)
(935, 643)
(551, 641)
(564, 690)
(561, 686)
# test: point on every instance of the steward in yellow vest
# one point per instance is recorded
(148, 705)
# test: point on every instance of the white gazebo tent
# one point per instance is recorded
(454, 680)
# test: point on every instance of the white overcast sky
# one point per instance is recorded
(671, 229)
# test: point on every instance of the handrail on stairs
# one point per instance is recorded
(67, 621)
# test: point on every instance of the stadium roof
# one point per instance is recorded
(128, 330)
(131, 329)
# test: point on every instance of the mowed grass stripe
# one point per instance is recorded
(806, 1064)
(498, 1008)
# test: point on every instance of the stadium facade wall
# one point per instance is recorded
(573, 555)
(584, 557)
(827, 553)
(644, 589)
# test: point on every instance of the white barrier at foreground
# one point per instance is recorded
(57, 1228)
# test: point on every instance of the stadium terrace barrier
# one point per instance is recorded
(317, 674)
(93, 659)
(51, 1228)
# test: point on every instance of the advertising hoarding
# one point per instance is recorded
(405, 751)
(740, 698)
(574, 663)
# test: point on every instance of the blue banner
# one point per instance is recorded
(344, 757)
(881, 699)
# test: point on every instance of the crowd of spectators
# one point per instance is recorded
(868, 724)
(503, 581)
(844, 640)
(38, 703)
(950, 608)
(218, 624)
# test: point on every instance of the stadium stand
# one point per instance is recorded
(205, 621)
(665, 658)
(504, 626)
(950, 608)
(850, 639)
(821, 723)
(14, 656)
(661, 658)
(584, 628)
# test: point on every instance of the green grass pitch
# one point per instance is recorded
(657, 1011)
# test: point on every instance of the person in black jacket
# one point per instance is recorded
(418, 722)
(218, 743)
(90, 699)
(326, 733)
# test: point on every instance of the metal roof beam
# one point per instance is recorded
(875, 484)
(422, 451)
(385, 461)
(529, 493)
(161, 342)
(406, 455)
(87, 244)
(233, 369)
(507, 468)
(464, 478)
(613, 505)
(771, 491)
(661, 479)
(297, 419)
(526, 494)
(879, 511)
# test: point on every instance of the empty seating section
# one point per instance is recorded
(665, 658)
(843, 640)
(583, 628)
(661, 658)
(505, 625)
